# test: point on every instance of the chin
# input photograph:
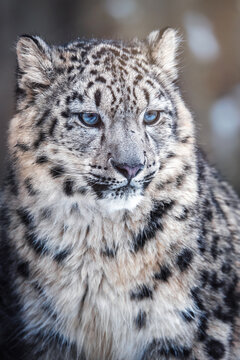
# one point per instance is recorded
(128, 202)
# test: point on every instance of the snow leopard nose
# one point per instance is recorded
(129, 171)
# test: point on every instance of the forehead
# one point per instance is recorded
(120, 71)
(107, 52)
(117, 59)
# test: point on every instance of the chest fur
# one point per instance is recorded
(106, 297)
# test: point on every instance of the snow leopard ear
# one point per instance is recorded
(163, 48)
(34, 62)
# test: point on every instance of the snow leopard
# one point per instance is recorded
(118, 240)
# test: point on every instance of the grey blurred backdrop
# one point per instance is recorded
(210, 60)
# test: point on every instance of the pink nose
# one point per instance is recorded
(127, 170)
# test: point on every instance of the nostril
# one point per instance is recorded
(129, 171)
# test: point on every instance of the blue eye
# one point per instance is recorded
(151, 117)
(90, 119)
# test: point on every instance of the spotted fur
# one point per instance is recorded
(94, 265)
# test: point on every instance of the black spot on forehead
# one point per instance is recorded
(97, 97)
(101, 79)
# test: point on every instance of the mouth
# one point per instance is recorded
(125, 189)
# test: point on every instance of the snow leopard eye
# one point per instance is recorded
(89, 119)
(151, 117)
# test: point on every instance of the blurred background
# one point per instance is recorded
(210, 60)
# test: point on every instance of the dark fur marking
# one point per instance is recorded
(42, 159)
(29, 187)
(39, 86)
(83, 301)
(109, 252)
(134, 51)
(37, 244)
(68, 187)
(12, 181)
(97, 97)
(185, 140)
(101, 79)
(146, 184)
(43, 118)
(103, 138)
(47, 305)
(232, 296)
(202, 327)
(180, 179)
(195, 293)
(204, 276)
(61, 255)
(207, 212)
(99, 188)
(74, 58)
(22, 146)
(11, 347)
(123, 63)
(20, 93)
(187, 315)
(184, 259)
(154, 224)
(226, 268)
(146, 94)
(224, 315)
(82, 190)
(59, 70)
(142, 292)
(65, 114)
(140, 320)
(90, 84)
(40, 139)
(217, 206)
(53, 126)
(113, 95)
(25, 216)
(215, 348)
(215, 282)
(184, 214)
(115, 52)
(214, 247)
(80, 98)
(70, 69)
(75, 95)
(163, 274)
(201, 240)
(57, 171)
(171, 155)
(46, 213)
(150, 83)
(167, 348)
(23, 269)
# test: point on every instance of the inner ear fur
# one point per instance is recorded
(34, 60)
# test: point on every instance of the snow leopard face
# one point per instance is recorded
(97, 115)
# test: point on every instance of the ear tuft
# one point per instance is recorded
(34, 60)
(153, 37)
(163, 50)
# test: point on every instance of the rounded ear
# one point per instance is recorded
(34, 60)
(163, 47)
